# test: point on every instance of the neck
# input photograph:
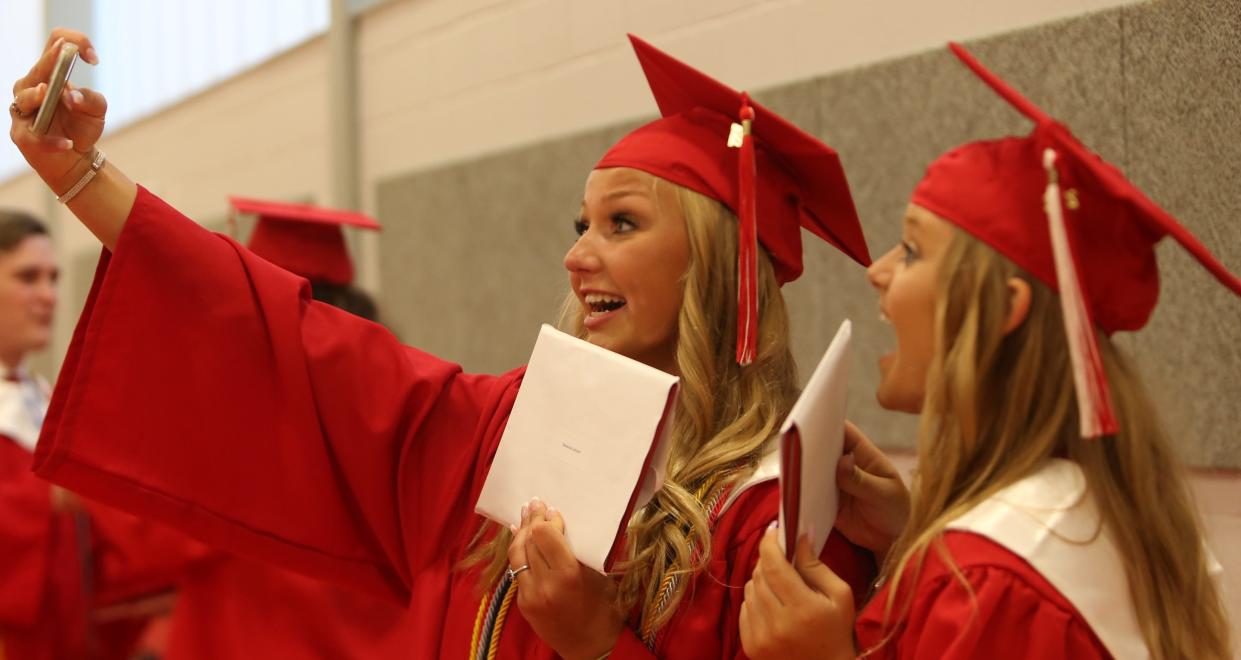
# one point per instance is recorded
(11, 360)
(666, 364)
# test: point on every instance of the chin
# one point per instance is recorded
(38, 343)
(895, 399)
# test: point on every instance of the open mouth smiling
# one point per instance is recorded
(600, 304)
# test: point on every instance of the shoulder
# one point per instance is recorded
(987, 567)
(753, 503)
(982, 560)
(972, 593)
(747, 512)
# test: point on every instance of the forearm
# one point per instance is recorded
(104, 204)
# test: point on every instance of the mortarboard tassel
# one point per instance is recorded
(1094, 399)
(747, 240)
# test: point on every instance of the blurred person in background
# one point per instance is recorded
(51, 558)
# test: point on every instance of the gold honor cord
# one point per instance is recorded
(492, 612)
(669, 582)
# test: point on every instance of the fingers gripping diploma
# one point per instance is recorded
(570, 606)
(874, 502)
(799, 610)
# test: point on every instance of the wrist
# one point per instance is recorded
(596, 649)
(65, 177)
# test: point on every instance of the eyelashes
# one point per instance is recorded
(622, 223)
(911, 254)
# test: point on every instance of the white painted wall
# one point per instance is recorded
(445, 80)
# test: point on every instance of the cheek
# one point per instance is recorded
(669, 287)
(911, 307)
(658, 299)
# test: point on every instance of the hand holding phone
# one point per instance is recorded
(55, 86)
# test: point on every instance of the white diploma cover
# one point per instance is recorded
(811, 442)
(587, 435)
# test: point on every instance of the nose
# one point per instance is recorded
(879, 274)
(582, 256)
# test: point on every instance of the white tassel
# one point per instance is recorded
(1094, 399)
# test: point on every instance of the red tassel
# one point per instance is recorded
(747, 244)
(1094, 397)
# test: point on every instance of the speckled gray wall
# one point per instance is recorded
(471, 257)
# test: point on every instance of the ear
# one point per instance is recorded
(1018, 303)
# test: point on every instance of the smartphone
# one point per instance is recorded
(55, 85)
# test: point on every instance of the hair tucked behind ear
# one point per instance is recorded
(998, 406)
(724, 416)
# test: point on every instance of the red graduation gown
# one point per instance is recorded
(1012, 612)
(203, 387)
(43, 606)
(230, 607)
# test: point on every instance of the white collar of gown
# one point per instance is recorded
(1050, 519)
(23, 404)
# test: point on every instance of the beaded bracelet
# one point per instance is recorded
(95, 164)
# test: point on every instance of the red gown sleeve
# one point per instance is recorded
(1008, 610)
(204, 388)
(1012, 620)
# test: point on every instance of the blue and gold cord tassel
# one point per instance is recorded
(492, 611)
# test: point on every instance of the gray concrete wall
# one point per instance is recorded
(471, 252)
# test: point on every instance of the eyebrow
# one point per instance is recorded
(627, 192)
(912, 223)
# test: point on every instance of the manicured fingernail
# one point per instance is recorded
(76, 97)
(90, 55)
(512, 528)
(774, 524)
(525, 512)
(551, 509)
(59, 42)
(64, 144)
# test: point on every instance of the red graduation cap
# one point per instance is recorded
(1070, 219)
(777, 179)
(303, 239)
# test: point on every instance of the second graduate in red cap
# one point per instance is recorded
(314, 439)
(1050, 517)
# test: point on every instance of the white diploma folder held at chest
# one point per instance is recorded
(587, 435)
(811, 442)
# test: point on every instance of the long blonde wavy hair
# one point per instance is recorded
(724, 414)
(999, 405)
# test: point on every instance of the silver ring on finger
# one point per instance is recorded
(16, 111)
(514, 572)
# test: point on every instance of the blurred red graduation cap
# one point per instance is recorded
(1070, 219)
(303, 239)
(777, 179)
